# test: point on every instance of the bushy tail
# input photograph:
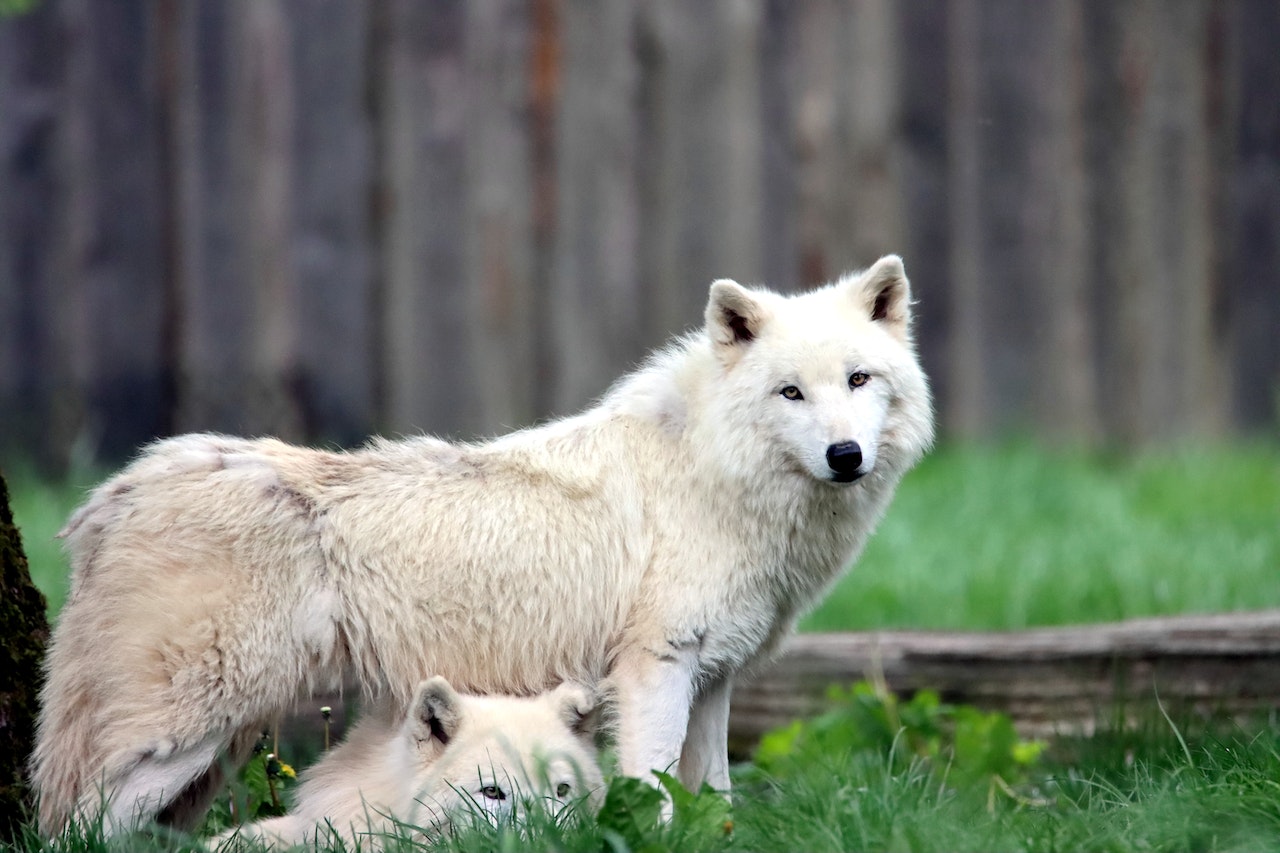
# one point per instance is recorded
(67, 760)
(65, 750)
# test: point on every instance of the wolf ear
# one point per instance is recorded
(885, 294)
(578, 707)
(437, 711)
(734, 314)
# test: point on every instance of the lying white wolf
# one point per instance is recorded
(667, 538)
(451, 753)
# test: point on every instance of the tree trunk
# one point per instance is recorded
(24, 631)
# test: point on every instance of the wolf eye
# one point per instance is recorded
(493, 792)
(562, 790)
(857, 380)
(791, 392)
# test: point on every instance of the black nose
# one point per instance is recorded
(845, 459)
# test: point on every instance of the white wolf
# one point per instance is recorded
(666, 538)
(450, 753)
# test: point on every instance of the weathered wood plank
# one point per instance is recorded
(422, 185)
(207, 197)
(924, 169)
(779, 265)
(1063, 353)
(1166, 372)
(111, 266)
(1001, 56)
(1253, 192)
(700, 181)
(594, 296)
(499, 263)
(268, 111)
(847, 135)
(1049, 679)
(34, 362)
(332, 168)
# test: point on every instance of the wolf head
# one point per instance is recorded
(498, 754)
(828, 380)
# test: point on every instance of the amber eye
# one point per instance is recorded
(791, 392)
(857, 380)
(562, 790)
(493, 792)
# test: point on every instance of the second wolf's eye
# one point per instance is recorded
(493, 792)
(562, 790)
(857, 380)
(791, 392)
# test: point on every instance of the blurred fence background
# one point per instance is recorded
(323, 218)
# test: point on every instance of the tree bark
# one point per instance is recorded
(24, 632)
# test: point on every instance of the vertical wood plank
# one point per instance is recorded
(238, 331)
(1005, 206)
(966, 377)
(817, 70)
(329, 251)
(778, 50)
(424, 355)
(501, 316)
(595, 297)
(545, 96)
(1103, 135)
(848, 131)
(924, 154)
(215, 323)
(267, 108)
(116, 303)
(1165, 349)
(1253, 197)
(701, 199)
(34, 367)
(868, 218)
(1063, 401)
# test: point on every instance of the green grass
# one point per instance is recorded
(1147, 795)
(1014, 536)
(1205, 789)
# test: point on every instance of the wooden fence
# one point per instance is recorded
(321, 218)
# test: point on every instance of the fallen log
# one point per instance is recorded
(1048, 680)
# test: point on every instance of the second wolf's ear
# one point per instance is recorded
(734, 314)
(437, 711)
(579, 708)
(885, 294)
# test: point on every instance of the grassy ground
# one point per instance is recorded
(1159, 789)
(981, 538)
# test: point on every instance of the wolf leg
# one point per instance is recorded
(654, 691)
(705, 755)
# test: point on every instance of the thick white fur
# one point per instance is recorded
(451, 753)
(667, 537)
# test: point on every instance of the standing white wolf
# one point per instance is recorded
(667, 538)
